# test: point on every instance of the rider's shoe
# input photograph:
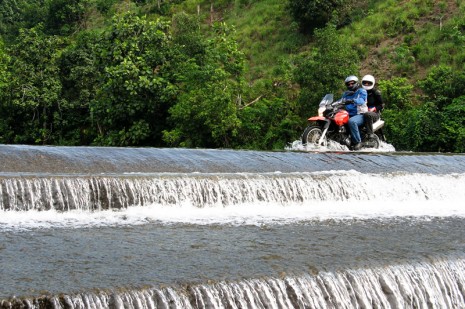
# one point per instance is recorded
(357, 146)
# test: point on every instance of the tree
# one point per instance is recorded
(64, 16)
(17, 14)
(324, 68)
(130, 107)
(313, 14)
(35, 105)
(210, 81)
(81, 72)
(4, 81)
(4, 59)
(454, 124)
(443, 84)
(397, 93)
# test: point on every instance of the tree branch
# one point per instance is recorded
(253, 102)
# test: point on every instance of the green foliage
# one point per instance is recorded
(268, 124)
(402, 23)
(425, 132)
(70, 76)
(454, 124)
(266, 35)
(205, 114)
(442, 84)
(4, 74)
(81, 70)
(104, 6)
(404, 60)
(436, 124)
(188, 36)
(315, 14)
(35, 89)
(400, 17)
(397, 93)
(64, 16)
(4, 80)
(399, 112)
(17, 14)
(160, 7)
(443, 44)
(324, 69)
(132, 102)
(416, 128)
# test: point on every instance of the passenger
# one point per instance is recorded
(356, 104)
(374, 102)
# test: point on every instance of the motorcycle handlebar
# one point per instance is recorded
(338, 103)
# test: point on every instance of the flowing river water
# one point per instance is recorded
(92, 227)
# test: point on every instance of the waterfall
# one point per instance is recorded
(429, 284)
(94, 193)
(137, 228)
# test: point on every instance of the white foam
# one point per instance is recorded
(333, 146)
(243, 214)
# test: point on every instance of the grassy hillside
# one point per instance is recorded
(265, 31)
(394, 38)
(406, 38)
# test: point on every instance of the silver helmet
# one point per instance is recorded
(351, 82)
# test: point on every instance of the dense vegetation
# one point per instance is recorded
(225, 73)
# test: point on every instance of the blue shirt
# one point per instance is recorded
(360, 101)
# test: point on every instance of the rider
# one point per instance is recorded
(374, 101)
(356, 105)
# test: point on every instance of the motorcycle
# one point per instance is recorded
(331, 125)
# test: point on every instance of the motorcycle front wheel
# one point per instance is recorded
(312, 135)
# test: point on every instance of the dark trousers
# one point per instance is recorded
(370, 118)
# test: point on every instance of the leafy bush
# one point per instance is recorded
(65, 16)
(454, 124)
(134, 95)
(35, 89)
(313, 14)
(210, 79)
(443, 84)
(403, 59)
(397, 93)
(324, 69)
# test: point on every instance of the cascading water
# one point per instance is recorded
(85, 227)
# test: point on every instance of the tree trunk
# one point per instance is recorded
(211, 13)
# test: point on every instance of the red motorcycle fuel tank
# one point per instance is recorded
(341, 117)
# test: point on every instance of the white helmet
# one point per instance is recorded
(368, 82)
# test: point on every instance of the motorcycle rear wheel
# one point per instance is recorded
(312, 135)
(372, 142)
